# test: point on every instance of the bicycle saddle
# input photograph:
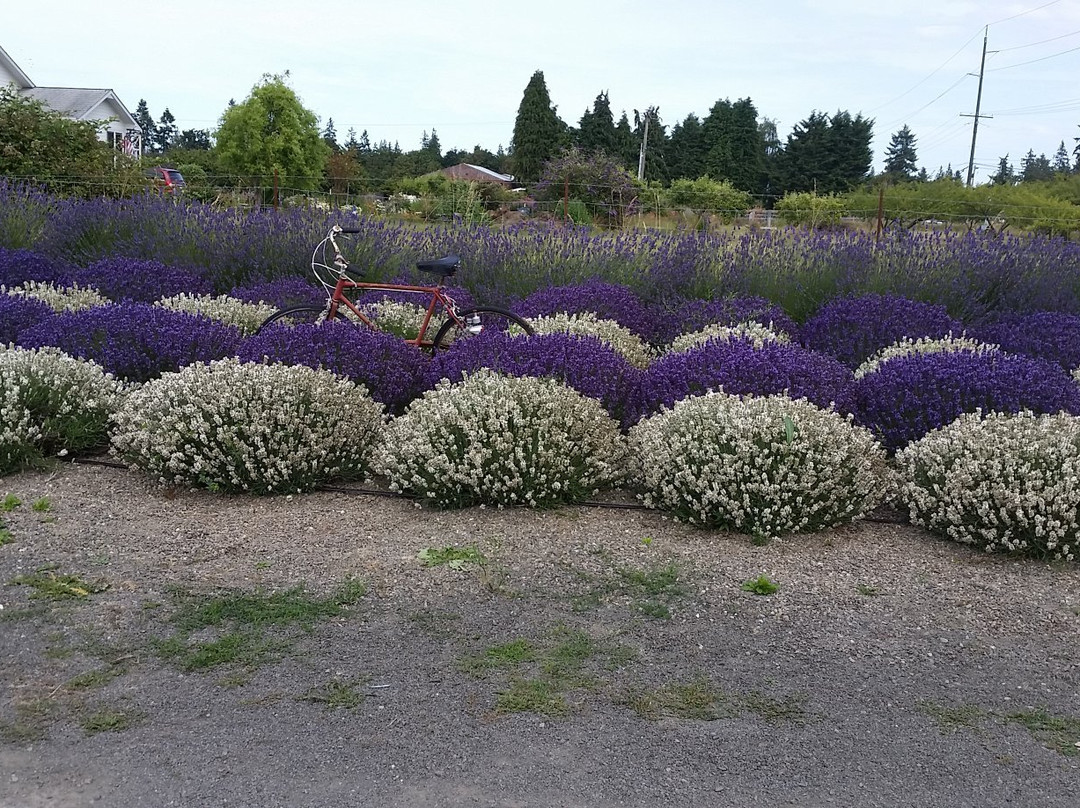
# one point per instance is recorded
(440, 266)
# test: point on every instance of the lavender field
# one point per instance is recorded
(894, 338)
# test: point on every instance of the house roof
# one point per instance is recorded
(22, 80)
(495, 175)
(82, 104)
(474, 173)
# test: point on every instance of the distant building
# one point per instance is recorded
(471, 173)
(80, 104)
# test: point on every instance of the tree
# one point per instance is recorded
(900, 156)
(627, 146)
(596, 129)
(736, 149)
(271, 131)
(1004, 174)
(538, 131)
(850, 139)
(165, 133)
(193, 140)
(146, 123)
(655, 162)
(330, 136)
(1035, 169)
(686, 150)
(608, 190)
(827, 154)
(1061, 160)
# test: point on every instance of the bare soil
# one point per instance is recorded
(595, 657)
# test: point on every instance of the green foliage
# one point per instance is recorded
(733, 144)
(538, 131)
(598, 180)
(762, 585)
(272, 131)
(9, 503)
(48, 585)
(705, 194)
(827, 154)
(810, 210)
(900, 156)
(453, 557)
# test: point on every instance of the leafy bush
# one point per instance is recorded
(503, 441)
(18, 313)
(908, 347)
(810, 210)
(142, 281)
(587, 324)
(597, 179)
(224, 309)
(739, 367)
(51, 403)
(908, 396)
(1048, 335)
(854, 328)
(705, 194)
(20, 266)
(764, 466)
(403, 320)
(247, 427)
(134, 341)
(390, 369)
(997, 481)
(59, 298)
(584, 363)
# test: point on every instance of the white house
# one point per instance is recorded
(81, 104)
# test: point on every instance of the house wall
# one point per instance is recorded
(7, 76)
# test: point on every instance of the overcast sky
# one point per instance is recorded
(460, 66)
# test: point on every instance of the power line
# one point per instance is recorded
(1024, 13)
(1033, 61)
(1040, 42)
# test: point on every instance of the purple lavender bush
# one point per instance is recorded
(608, 301)
(19, 266)
(18, 313)
(852, 329)
(1042, 334)
(741, 369)
(694, 315)
(135, 341)
(907, 397)
(283, 292)
(391, 369)
(141, 281)
(582, 362)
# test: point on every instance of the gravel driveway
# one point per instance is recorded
(163, 647)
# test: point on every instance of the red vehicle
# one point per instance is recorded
(168, 180)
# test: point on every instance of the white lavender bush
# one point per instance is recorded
(909, 347)
(247, 427)
(764, 466)
(758, 333)
(1001, 482)
(51, 403)
(402, 319)
(60, 298)
(619, 338)
(229, 310)
(498, 440)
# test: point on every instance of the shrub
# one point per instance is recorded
(582, 362)
(694, 315)
(59, 298)
(908, 396)
(282, 293)
(1048, 335)
(587, 324)
(908, 347)
(757, 333)
(135, 341)
(142, 281)
(810, 210)
(224, 309)
(705, 194)
(390, 369)
(608, 301)
(401, 319)
(501, 440)
(740, 368)
(248, 427)
(998, 481)
(51, 403)
(19, 266)
(854, 328)
(764, 466)
(18, 313)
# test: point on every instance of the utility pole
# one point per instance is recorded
(976, 116)
(641, 155)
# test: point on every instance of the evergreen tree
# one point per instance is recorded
(165, 132)
(433, 146)
(808, 161)
(146, 123)
(1005, 174)
(850, 139)
(1034, 169)
(772, 171)
(626, 144)
(596, 129)
(365, 144)
(686, 150)
(330, 136)
(194, 140)
(900, 156)
(1061, 160)
(352, 145)
(538, 132)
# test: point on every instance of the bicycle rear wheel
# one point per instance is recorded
(477, 321)
(295, 315)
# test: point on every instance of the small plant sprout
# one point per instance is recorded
(647, 541)
(454, 557)
(762, 585)
(9, 503)
(41, 505)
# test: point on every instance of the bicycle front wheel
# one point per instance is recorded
(477, 321)
(295, 315)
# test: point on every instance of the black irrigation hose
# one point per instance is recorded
(897, 518)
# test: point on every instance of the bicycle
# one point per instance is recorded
(332, 274)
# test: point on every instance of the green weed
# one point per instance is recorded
(48, 585)
(108, 721)
(1061, 733)
(5, 536)
(454, 557)
(651, 591)
(697, 700)
(336, 694)
(952, 717)
(41, 505)
(9, 503)
(540, 696)
(761, 585)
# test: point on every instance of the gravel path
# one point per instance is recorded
(598, 657)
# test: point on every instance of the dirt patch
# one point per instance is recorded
(172, 648)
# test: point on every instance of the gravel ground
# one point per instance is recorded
(597, 657)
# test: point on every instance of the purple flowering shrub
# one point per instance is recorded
(608, 301)
(582, 362)
(908, 396)
(135, 341)
(391, 369)
(19, 266)
(854, 328)
(694, 315)
(18, 313)
(742, 369)
(283, 292)
(141, 281)
(1042, 334)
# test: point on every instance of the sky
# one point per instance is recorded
(459, 67)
